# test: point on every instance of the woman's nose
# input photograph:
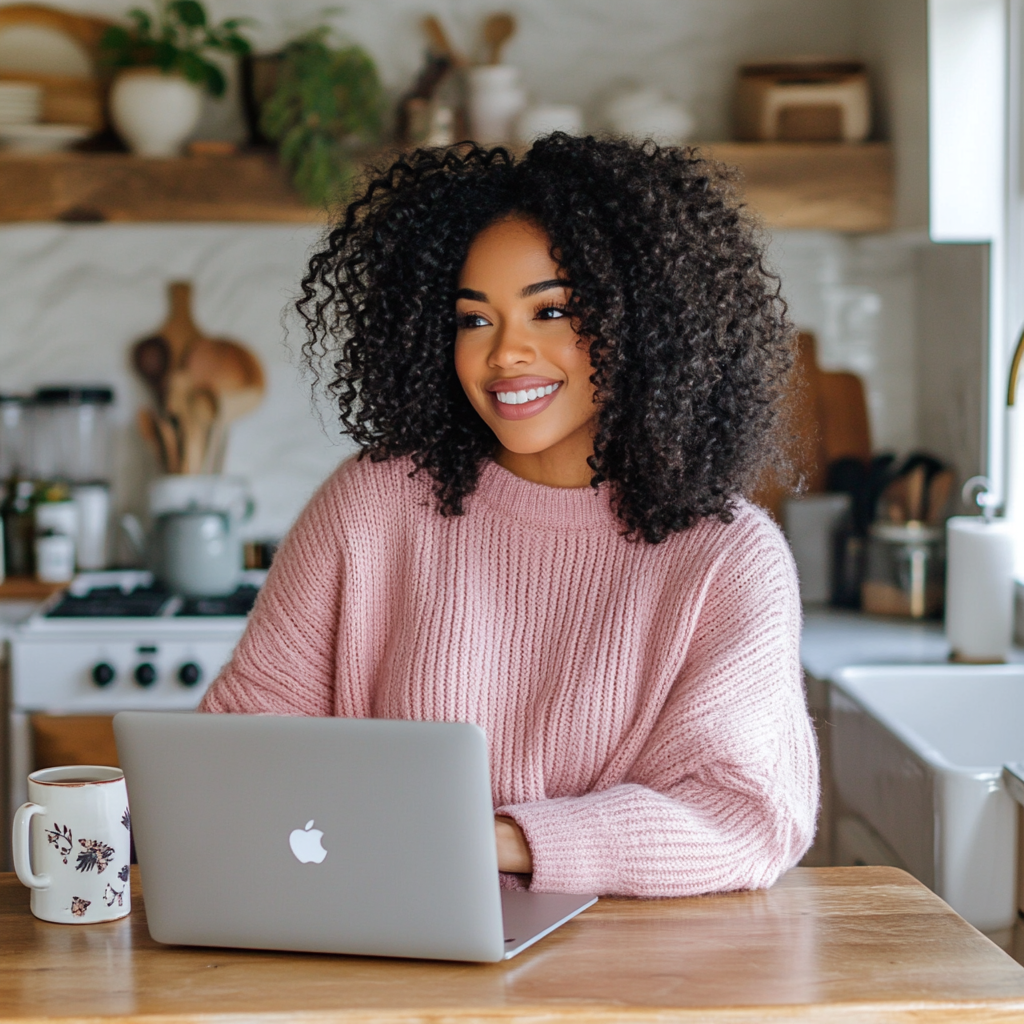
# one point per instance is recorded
(511, 347)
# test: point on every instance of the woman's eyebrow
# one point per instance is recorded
(468, 293)
(542, 286)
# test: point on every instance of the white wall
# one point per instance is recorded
(73, 299)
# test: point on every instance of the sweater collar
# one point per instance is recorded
(543, 507)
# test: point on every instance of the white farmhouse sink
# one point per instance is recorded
(918, 753)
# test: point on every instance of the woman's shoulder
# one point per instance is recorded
(751, 542)
(362, 493)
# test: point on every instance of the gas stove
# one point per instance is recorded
(118, 641)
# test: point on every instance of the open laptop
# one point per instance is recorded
(328, 835)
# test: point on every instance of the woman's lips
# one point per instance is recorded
(522, 410)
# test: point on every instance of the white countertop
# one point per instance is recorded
(834, 639)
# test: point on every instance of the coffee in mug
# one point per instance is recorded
(72, 844)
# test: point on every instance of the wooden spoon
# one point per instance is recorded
(439, 41)
(151, 358)
(939, 488)
(498, 30)
(197, 426)
(151, 435)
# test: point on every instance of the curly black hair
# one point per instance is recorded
(688, 335)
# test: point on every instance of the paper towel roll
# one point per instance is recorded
(979, 588)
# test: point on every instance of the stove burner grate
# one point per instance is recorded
(150, 603)
(111, 602)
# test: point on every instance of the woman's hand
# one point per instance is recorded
(513, 851)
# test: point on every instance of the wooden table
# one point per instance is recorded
(840, 945)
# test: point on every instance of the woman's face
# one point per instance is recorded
(521, 364)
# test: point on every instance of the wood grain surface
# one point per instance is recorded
(825, 186)
(825, 944)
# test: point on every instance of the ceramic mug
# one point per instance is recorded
(72, 844)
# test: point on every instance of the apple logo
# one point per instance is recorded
(306, 845)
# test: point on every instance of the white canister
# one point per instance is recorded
(496, 99)
(153, 112)
(810, 524)
(72, 844)
(648, 114)
(979, 589)
(547, 118)
(92, 502)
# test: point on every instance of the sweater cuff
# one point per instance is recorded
(560, 835)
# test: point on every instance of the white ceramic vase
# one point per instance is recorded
(155, 113)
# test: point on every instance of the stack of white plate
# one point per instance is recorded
(21, 106)
(20, 103)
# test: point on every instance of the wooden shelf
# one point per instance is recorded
(815, 186)
(117, 187)
(789, 185)
(21, 588)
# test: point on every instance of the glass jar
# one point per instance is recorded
(906, 570)
(71, 434)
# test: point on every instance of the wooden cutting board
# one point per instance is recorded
(827, 419)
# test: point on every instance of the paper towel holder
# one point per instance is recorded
(978, 491)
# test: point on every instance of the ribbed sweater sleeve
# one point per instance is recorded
(724, 793)
(285, 662)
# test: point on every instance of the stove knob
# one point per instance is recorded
(145, 674)
(189, 674)
(103, 674)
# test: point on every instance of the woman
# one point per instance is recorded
(564, 373)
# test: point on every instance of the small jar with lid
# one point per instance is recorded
(906, 570)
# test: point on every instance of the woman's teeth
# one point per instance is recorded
(522, 397)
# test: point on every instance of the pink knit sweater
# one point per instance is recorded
(643, 703)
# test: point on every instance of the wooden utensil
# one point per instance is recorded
(151, 358)
(200, 415)
(939, 489)
(498, 30)
(844, 417)
(439, 41)
(916, 480)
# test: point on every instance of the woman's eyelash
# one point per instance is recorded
(463, 320)
(544, 306)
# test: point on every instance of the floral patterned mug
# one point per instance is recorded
(72, 844)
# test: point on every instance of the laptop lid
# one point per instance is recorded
(317, 834)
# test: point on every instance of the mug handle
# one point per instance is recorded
(19, 847)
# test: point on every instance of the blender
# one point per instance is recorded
(71, 462)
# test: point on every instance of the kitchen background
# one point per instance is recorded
(74, 297)
(908, 317)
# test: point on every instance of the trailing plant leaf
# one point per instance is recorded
(327, 100)
(175, 41)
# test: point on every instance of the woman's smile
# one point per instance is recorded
(521, 397)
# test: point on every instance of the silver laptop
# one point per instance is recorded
(326, 835)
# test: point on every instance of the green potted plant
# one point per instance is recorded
(157, 97)
(327, 103)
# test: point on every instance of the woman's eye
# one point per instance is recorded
(551, 313)
(468, 320)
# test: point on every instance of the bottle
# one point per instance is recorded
(18, 514)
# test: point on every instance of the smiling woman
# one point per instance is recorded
(564, 373)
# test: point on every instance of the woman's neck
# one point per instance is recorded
(562, 465)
